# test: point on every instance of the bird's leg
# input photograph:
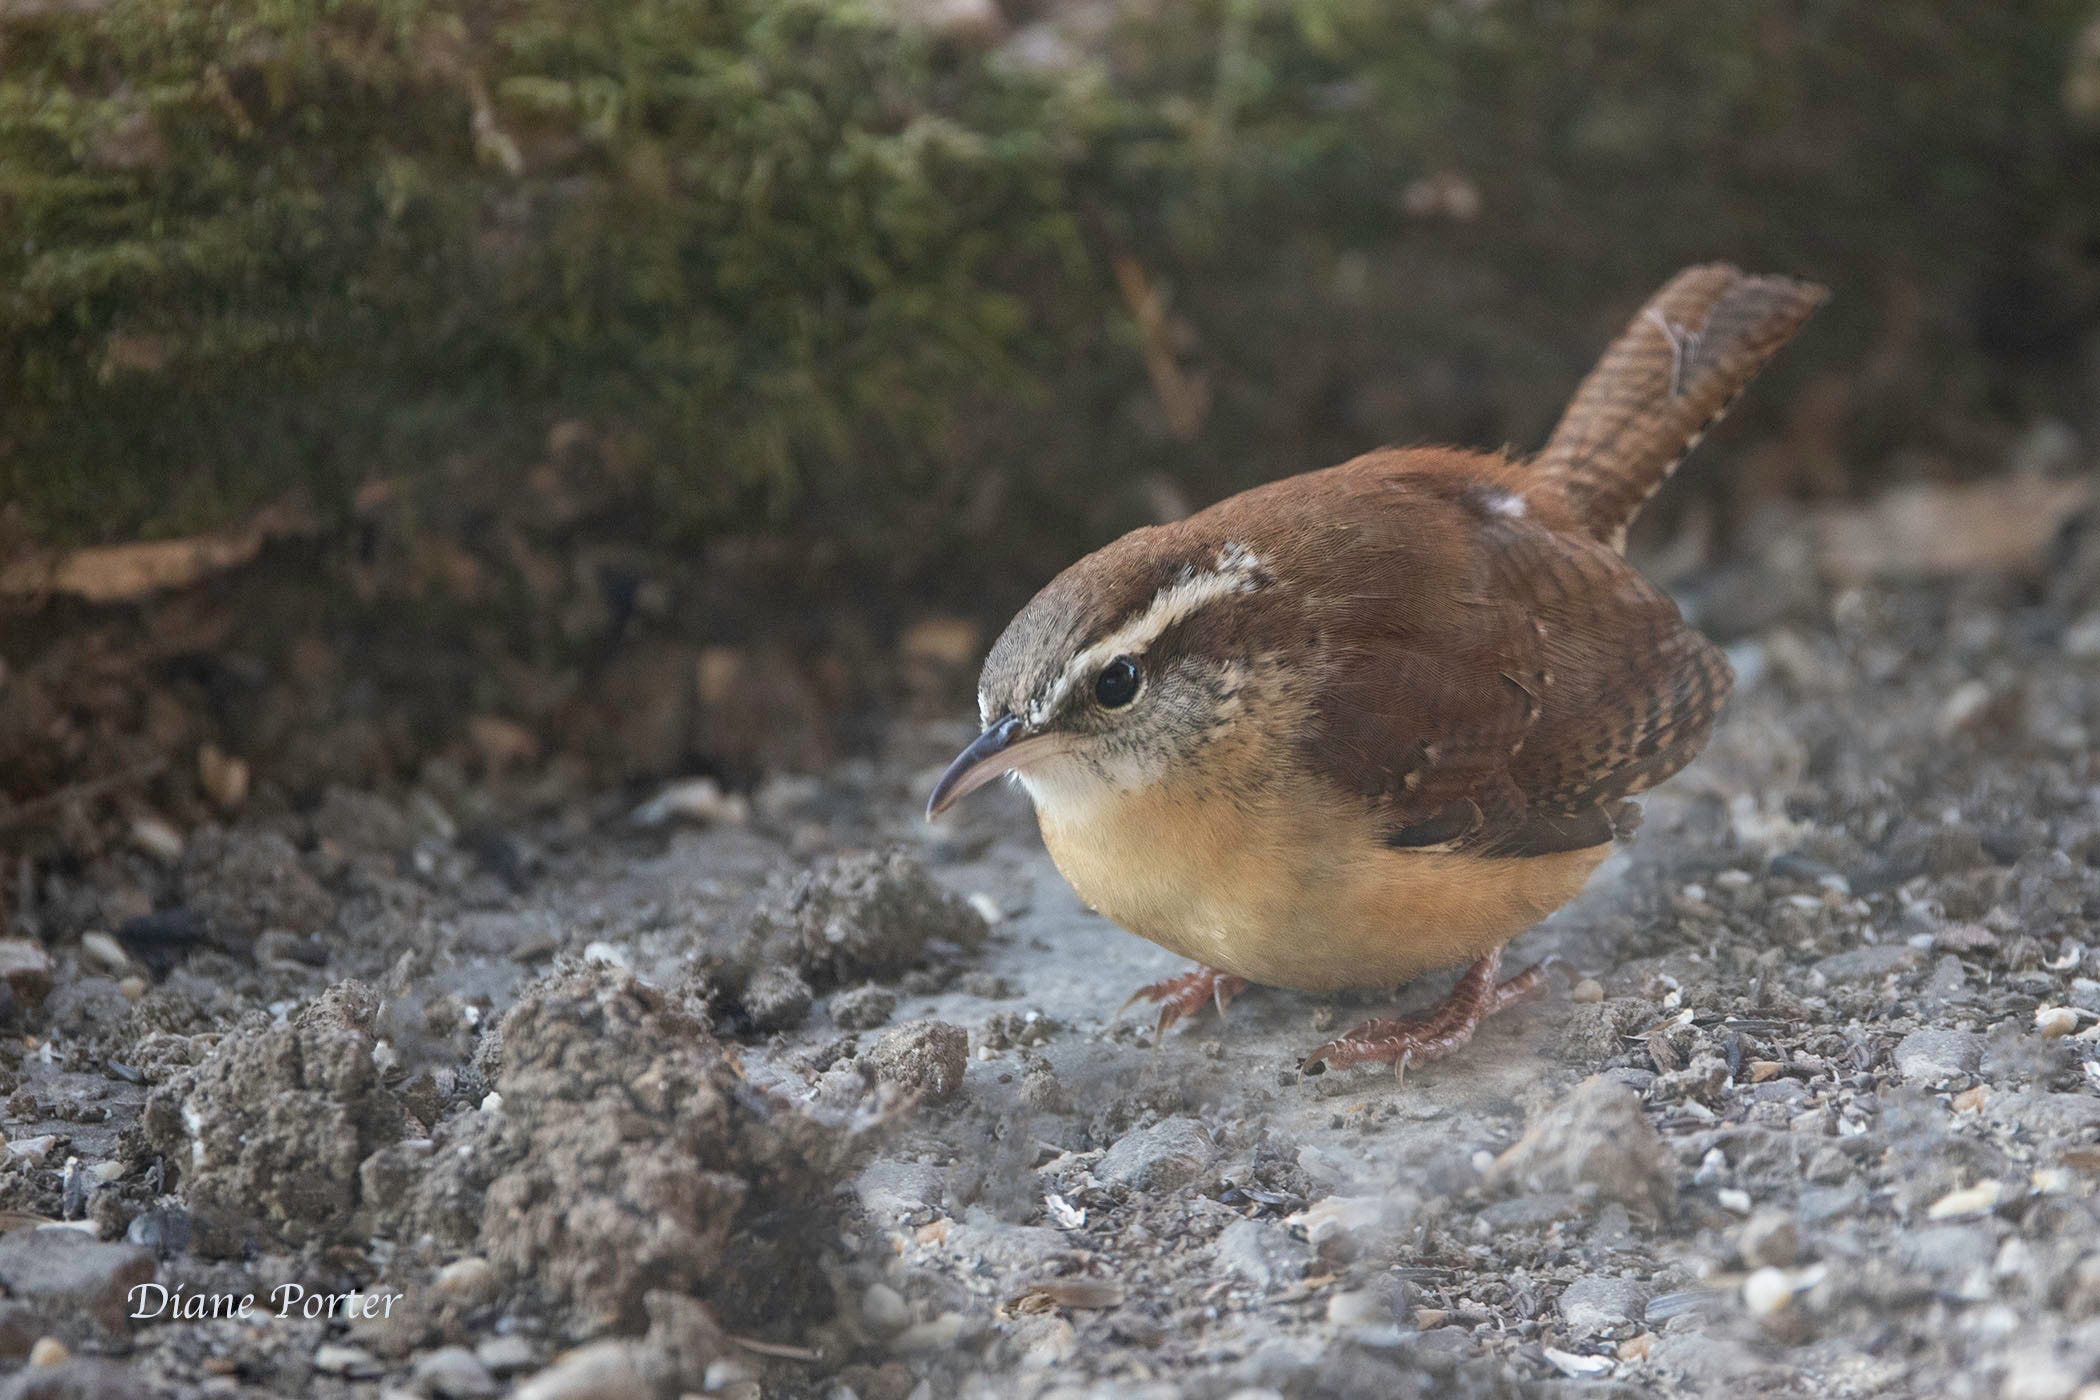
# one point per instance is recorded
(1448, 1027)
(1184, 995)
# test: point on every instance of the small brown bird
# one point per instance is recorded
(1353, 726)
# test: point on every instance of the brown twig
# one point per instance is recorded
(82, 791)
(1182, 397)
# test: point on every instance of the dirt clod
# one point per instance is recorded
(926, 1059)
(863, 1008)
(269, 1131)
(241, 881)
(628, 1157)
(873, 914)
(776, 999)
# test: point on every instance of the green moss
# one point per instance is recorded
(253, 242)
(796, 262)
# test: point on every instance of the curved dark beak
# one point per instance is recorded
(1000, 749)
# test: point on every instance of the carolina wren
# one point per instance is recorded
(1356, 725)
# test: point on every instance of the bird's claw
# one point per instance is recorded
(1183, 996)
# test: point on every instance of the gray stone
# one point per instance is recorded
(999, 1248)
(1172, 1152)
(1779, 1091)
(2046, 1113)
(66, 1275)
(1592, 1305)
(454, 1373)
(883, 1310)
(1950, 1253)
(1260, 1254)
(1932, 1055)
(1597, 1140)
(1869, 964)
(334, 1359)
(1707, 1364)
(1532, 1212)
(600, 1370)
(506, 1356)
(891, 1191)
(1823, 1204)
(82, 1378)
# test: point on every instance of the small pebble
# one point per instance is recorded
(156, 838)
(1360, 1307)
(1570, 1363)
(1964, 706)
(103, 950)
(1979, 1199)
(49, 1351)
(2055, 1022)
(726, 1371)
(884, 1310)
(334, 1359)
(454, 1373)
(1767, 1291)
(1588, 992)
(601, 1370)
(472, 1278)
(32, 1150)
(1770, 1239)
(987, 908)
(694, 800)
(940, 1334)
(505, 1355)
(224, 776)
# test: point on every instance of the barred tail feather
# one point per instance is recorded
(1667, 379)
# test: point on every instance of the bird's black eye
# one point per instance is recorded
(1117, 683)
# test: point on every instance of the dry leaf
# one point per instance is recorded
(2001, 526)
(119, 573)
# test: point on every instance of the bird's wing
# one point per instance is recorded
(1510, 695)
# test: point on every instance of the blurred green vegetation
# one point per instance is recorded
(816, 266)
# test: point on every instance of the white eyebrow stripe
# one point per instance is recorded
(1239, 570)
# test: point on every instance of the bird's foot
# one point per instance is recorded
(1447, 1028)
(1185, 995)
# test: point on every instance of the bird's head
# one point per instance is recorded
(1127, 664)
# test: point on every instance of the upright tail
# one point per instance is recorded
(1669, 377)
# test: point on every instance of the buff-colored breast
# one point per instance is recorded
(1271, 890)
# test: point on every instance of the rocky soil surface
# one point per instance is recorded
(795, 1096)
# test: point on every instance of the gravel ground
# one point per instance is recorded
(799, 1097)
